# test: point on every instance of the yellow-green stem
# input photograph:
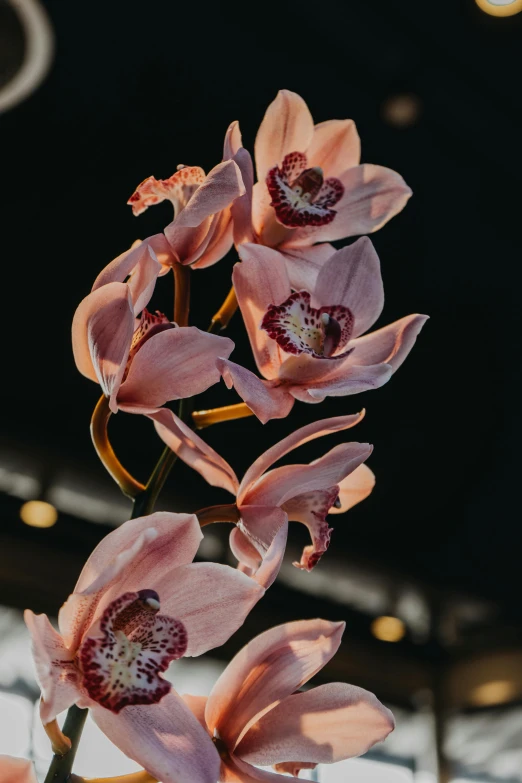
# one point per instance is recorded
(204, 419)
(181, 294)
(222, 318)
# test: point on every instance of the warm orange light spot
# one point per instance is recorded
(494, 692)
(500, 7)
(402, 110)
(388, 629)
(38, 513)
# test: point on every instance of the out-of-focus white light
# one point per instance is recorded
(388, 629)
(500, 7)
(38, 513)
(402, 110)
(15, 724)
(365, 771)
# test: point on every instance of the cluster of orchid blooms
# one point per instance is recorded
(141, 602)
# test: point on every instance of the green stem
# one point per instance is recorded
(61, 766)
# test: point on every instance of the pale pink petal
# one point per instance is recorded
(242, 206)
(261, 524)
(163, 251)
(298, 438)
(173, 364)
(311, 508)
(193, 450)
(282, 484)
(269, 668)
(261, 280)
(303, 264)
(55, 670)
(14, 770)
(243, 550)
(233, 141)
(372, 196)
(323, 725)
(352, 278)
(141, 263)
(348, 379)
(390, 345)
(196, 705)
(235, 770)
(286, 127)
(354, 488)
(266, 401)
(335, 147)
(210, 599)
(132, 557)
(187, 244)
(165, 739)
(102, 331)
(294, 767)
(220, 240)
(267, 572)
(222, 185)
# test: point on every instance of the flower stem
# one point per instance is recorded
(223, 513)
(215, 415)
(100, 437)
(61, 766)
(181, 294)
(221, 319)
(141, 776)
(59, 742)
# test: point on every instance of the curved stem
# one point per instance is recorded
(61, 766)
(59, 742)
(181, 294)
(221, 513)
(215, 415)
(133, 777)
(222, 318)
(100, 418)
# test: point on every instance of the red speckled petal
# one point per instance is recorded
(178, 189)
(311, 509)
(295, 209)
(122, 656)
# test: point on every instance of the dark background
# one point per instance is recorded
(137, 88)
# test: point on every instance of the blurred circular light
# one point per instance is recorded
(388, 629)
(494, 692)
(38, 513)
(402, 110)
(500, 7)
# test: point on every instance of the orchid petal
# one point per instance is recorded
(124, 653)
(282, 484)
(323, 725)
(352, 278)
(222, 185)
(372, 196)
(196, 705)
(163, 251)
(311, 508)
(193, 450)
(335, 147)
(13, 770)
(261, 524)
(303, 264)
(102, 330)
(177, 189)
(390, 345)
(165, 739)
(233, 141)
(270, 566)
(235, 770)
(266, 401)
(173, 364)
(261, 280)
(242, 206)
(210, 599)
(55, 671)
(132, 557)
(243, 550)
(142, 264)
(298, 438)
(286, 127)
(219, 242)
(354, 488)
(269, 668)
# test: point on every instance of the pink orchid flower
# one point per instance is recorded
(141, 364)
(15, 770)
(255, 716)
(311, 186)
(113, 645)
(309, 344)
(201, 232)
(266, 499)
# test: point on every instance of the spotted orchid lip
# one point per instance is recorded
(297, 327)
(178, 189)
(300, 195)
(123, 655)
